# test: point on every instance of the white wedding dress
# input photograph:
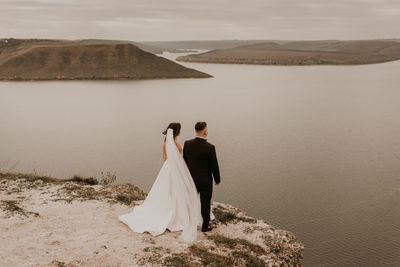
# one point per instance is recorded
(173, 202)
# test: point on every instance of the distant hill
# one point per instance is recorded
(180, 46)
(84, 59)
(20, 42)
(145, 47)
(304, 53)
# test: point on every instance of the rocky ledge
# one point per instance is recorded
(52, 222)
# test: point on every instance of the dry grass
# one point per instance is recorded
(237, 252)
(198, 256)
(73, 192)
(76, 188)
(226, 216)
(153, 255)
(202, 256)
(32, 177)
(10, 207)
(29, 177)
(242, 250)
(233, 243)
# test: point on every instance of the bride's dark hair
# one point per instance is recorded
(175, 126)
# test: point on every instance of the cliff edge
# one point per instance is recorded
(52, 222)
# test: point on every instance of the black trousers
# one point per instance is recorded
(205, 198)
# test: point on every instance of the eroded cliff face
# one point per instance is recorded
(52, 222)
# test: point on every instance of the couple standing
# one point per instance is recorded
(180, 198)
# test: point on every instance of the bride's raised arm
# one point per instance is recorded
(178, 146)
(165, 151)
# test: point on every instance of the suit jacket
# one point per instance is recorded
(201, 159)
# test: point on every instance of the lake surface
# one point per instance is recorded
(314, 150)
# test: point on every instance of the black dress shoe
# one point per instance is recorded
(208, 229)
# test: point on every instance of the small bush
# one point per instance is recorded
(84, 180)
(107, 178)
(126, 199)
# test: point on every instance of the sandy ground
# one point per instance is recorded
(45, 224)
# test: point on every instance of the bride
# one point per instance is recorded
(173, 202)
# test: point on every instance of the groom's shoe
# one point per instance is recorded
(208, 229)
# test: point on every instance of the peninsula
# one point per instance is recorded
(329, 52)
(32, 59)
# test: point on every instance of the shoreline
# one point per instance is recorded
(263, 63)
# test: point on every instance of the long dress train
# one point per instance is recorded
(173, 202)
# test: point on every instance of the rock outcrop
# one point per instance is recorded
(50, 222)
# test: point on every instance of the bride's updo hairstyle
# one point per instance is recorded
(175, 126)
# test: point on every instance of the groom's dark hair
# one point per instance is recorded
(200, 126)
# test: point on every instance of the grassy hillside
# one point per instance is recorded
(55, 59)
(304, 53)
(176, 46)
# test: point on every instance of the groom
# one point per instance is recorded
(201, 160)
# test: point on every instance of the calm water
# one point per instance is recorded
(314, 150)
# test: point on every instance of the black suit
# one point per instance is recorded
(201, 159)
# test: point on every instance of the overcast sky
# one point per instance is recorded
(142, 20)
